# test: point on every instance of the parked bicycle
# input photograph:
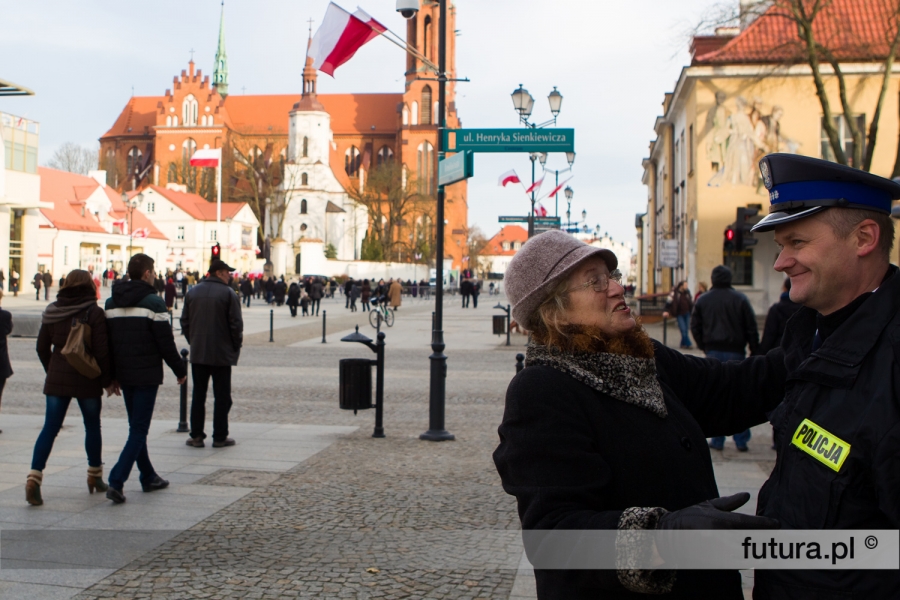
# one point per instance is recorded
(382, 311)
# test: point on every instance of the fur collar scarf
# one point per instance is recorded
(626, 378)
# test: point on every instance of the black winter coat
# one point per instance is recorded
(140, 336)
(293, 295)
(5, 329)
(776, 321)
(847, 395)
(212, 324)
(723, 320)
(576, 458)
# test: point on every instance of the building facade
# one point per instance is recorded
(745, 95)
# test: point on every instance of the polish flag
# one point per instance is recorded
(141, 232)
(340, 36)
(508, 177)
(541, 211)
(535, 186)
(209, 157)
(559, 187)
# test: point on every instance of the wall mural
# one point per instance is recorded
(737, 139)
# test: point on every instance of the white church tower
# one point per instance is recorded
(318, 206)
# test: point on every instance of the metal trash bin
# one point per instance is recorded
(355, 383)
(499, 324)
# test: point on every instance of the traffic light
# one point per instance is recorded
(743, 237)
(216, 252)
(728, 245)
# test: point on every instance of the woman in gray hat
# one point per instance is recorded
(606, 430)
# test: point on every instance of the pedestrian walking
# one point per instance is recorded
(280, 291)
(38, 282)
(5, 329)
(395, 294)
(724, 325)
(246, 290)
(76, 303)
(491, 289)
(414, 289)
(465, 290)
(170, 294)
(304, 302)
(14, 282)
(270, 290)
(316, 292)
(777, 318)
(365, 294)
(599, 427)
(680, 304)
(475, 290)
(211, 322)
(47, 279)
(355, 293)
(702, 288)
(140, 339)
(2, 279)
(293, 298)
(347, 285)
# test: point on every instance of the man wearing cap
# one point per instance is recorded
(837, 432)
(212, 323)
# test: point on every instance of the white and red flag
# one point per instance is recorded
(210, 157)
(340, 36)
(141, 232)
(541, 211)
(508, 177)
(559, 187)
(535, 186)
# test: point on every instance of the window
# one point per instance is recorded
(415, 113)
(180, 235)
(405, 115)
(189, 109)
(425, 168)
(352, 161)
(150, 208)
(169, 121)
(175, 121)
(436, 115)
(426, 38)
(213, 235)
(303, 207)
(690, 149)
(304, 179)
(845, 137)
(506, 246)
(305, 148)
(187, 149)
(133, 161)
(385, 154)
(426, 105)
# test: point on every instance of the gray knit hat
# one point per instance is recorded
(542, 262)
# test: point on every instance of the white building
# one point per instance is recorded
(498, 253)
(85, 224)
(188, 221)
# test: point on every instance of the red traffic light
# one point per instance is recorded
(215, 251)
(729, 234)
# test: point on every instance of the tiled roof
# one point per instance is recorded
(197, 206)
(137, 118)
(68, 192)
(510, 233)
(854, 30)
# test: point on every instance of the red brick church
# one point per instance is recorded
(153, 137)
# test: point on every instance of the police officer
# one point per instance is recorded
(837, 432)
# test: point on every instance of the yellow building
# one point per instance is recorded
(747, 93)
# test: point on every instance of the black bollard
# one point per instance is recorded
(324, 312)
(182, 421)
(379, 387)
(665, 330)
(271, 325)
(520, 362)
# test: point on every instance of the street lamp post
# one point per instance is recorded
(131, 204)
(570, 156)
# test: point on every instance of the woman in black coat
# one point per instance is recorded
(5, 329)
(606, 430)
(293, 299)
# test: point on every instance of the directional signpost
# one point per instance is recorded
(551, 221)
(456, 168)
(509, 140)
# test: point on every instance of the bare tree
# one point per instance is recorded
(74, 158)
(255, 175)
(477, 244)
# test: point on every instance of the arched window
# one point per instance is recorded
(352, 161)
(436, 115)
(189, 109)
(304, 179)
(303, 206)
(426, 38)
(187, 149)
(169, 121)
(174, 120)
(305, 146)
(415, 113)
(426, 105)
(133, 161)
(384, 155)
(405, 115)
(425, 168)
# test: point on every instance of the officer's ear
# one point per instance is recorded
(866, 235)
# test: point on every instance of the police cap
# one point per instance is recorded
(800, 186)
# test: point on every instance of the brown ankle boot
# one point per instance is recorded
(95, 480)
(33, 488)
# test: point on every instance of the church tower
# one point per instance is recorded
(220, 73)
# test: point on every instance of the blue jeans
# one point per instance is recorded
(139, 402)
(740, 439)
(684, 324)
(57, 406)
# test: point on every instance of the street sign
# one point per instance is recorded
(668, 253)
(456, 168)
(509, 140)
(545, 221)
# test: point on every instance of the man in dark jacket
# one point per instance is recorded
(212, 323)
(280, 291)
(246, 290)
(38, 282)
(723, 325)
(47, 278)
(316, 292)
(140, 339)
(270, 290)
(777, 319)
(348, 285)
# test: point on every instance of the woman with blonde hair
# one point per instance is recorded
(76, 301)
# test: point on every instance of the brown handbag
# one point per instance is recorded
(77, 350)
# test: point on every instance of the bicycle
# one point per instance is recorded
(385, 312)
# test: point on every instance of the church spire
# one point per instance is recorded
(308, 101)
(220, 74)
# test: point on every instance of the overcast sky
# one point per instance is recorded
(612, 61)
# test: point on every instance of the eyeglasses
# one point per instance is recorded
(601, 282)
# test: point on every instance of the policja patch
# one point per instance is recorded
(823, 446)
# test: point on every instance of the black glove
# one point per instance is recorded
(716, 514)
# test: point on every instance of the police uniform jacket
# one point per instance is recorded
(837, 434)
(577, 458)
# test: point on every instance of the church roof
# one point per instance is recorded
(197, 206)
(137, 118)
(854, 30)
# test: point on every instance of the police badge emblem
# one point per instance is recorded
(766, 174)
